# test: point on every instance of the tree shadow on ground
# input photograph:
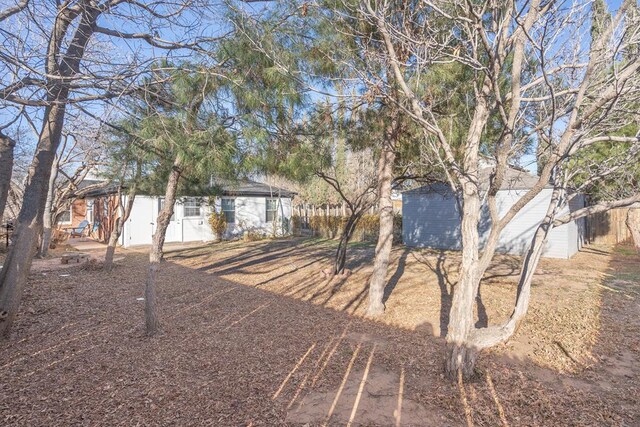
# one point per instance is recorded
(446, 292)
(445, 284)
(503, 266)
(593, 250)
(249, 259)
(483, 318)
(357, 301)
(275, 251)
(397, 275)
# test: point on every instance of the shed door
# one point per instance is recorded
(141, 221)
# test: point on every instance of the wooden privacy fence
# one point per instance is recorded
(608, 227)
(327, 221)
(305, 211)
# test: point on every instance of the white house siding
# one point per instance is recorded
(517, 235)
(433, 220)
(197, 228)
(250, 216)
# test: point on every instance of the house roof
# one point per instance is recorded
(89, 182)
(515, 179)
(225, 188)
(251, 188)
(104, 191)
(102, 188)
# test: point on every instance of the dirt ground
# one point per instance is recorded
(241, 343)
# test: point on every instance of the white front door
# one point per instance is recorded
(174, 230)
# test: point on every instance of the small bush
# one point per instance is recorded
(253, 235)
(218, 224)
(328, 227)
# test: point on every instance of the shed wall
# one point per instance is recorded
(433, 220)
(517, 235)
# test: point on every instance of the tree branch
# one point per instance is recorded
(597, 208)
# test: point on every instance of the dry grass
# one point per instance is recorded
(231, 354)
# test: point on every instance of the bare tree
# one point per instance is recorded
(356, 187)
(537, 70)
(124, 210)
(58, 56)
(77, 157)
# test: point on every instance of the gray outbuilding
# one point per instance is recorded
(431, 218)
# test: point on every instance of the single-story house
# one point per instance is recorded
(431, 217)
(248, 206)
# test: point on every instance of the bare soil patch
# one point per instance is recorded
(232, 354)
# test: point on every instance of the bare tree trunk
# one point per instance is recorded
(345, 237)
(7, 145)
(385, 234)
(125, 211)
(45, 241)
(118, 228)
(13, 275)
(462, 356)
(633, 223)
(48, 216)
(111, 246)
(464, 340)
(155, 256)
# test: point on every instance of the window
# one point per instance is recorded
(229, 210)
(89, 215)
(65, 217)
(161, 206)
(272, 209)
(191, 207)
